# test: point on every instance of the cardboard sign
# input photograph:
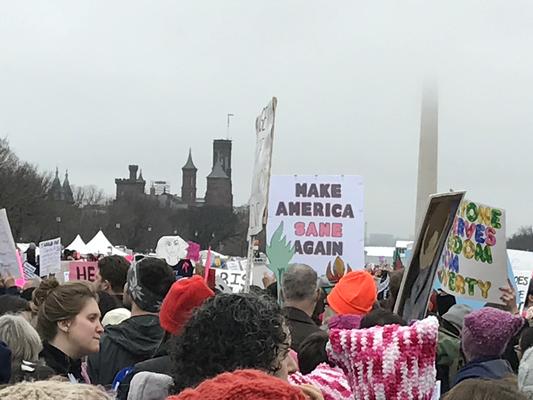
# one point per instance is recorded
(234, 279)
(474, 262)
(522, 280)
(418, 279)
(9, 264)
(50, 257)
(82, 271)
(315, 219)
(264, 126)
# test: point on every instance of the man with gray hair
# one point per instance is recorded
(300, 294)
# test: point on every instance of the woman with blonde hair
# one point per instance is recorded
(68, 321)
(53, 389)
(25, 345)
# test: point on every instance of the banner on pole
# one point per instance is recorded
(474, 261)
(50, 257)
(316, 220)
(264, 126)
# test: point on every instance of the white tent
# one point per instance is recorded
(78, 245)
(100, 245)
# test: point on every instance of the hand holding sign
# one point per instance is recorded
(509, 298)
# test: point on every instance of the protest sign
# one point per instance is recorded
(264, 126)
(315, 219)
(29, 271)
(9, 264)
(50, 256)
(474, 262)
(522, 279)
(236, 280)
(418, 279)
(82, 271)
(172, 249)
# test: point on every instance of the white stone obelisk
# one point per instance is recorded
(428, 151)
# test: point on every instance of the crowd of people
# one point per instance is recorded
(140, 332)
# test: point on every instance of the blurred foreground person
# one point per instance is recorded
(52, 390)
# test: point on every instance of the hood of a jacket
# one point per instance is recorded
(485, 369)
(525, 373)
(138, 335)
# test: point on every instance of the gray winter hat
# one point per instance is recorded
(456, 315)
(149, 386)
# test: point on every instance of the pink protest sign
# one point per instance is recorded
(83, 271)
(193, 251)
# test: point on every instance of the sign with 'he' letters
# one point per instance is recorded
(83, 271)
(474, 262)
(314, 220)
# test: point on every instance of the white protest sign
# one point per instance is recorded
(9, 264)
(50, 257)
(322, 218)
(264, 126)
(474, 262)
(29, 271)
(522, 279)
(234, 279)
(172, 249)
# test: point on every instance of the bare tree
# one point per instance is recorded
(87, 196)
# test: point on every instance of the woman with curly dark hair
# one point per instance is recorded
(230, 332)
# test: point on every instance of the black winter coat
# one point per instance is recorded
(124, 345)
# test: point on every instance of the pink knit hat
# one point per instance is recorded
(487, 332)
(388, 362)
(331, 381)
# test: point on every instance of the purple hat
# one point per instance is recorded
(487, 332)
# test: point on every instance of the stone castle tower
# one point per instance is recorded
(134, 185)
(219, 190)
(188, 183)
(60, 192)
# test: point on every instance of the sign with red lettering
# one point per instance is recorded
(83, 271)
(316, 220)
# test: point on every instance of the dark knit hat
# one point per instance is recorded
(242, 385)
(183, 297)
(487, 332)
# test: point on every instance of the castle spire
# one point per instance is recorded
(190, 164)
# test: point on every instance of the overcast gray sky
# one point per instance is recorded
(93, 86)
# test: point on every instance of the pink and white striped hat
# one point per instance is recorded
(330, 380)
(387, 362)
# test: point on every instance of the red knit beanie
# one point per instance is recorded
(183, 297)
(246, 384)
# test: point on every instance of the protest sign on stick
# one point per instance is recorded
(419, 276)
(474, 261)
(50, 256)
(9, 264)
(83, 271)
(264, 127)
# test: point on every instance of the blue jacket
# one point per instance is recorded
(485, 368)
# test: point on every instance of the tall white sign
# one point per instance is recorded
(8, 252)
(264, 126)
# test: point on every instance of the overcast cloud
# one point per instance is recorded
(93, 86)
